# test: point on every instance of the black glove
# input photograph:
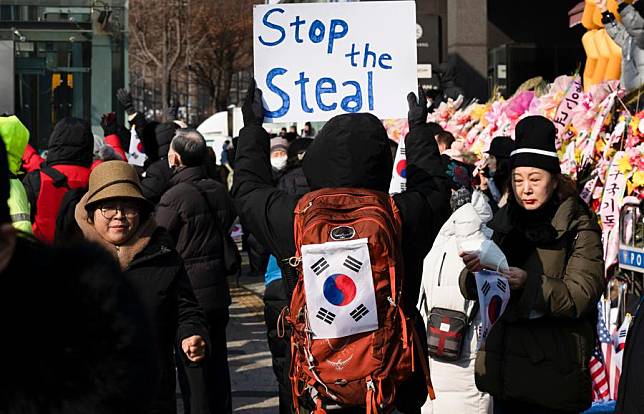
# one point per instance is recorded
(622, 5)
(253, 109)
(417, 114)
(125, 98)
(108, 123)
(607, 17)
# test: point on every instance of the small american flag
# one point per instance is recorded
(608, 350)
(598, 375)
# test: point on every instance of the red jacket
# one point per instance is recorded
(114, 141)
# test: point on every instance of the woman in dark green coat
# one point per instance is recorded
(535, 358)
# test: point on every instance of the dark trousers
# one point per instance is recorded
(516, 407)
(205, 386)
(274, 301)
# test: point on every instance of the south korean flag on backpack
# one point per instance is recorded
(339, 288)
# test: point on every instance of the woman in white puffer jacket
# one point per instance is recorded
(453, 382)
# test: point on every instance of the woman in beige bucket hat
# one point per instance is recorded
(115, 214)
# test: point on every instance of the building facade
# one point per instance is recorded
(60, 58)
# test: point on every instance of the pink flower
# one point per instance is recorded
(519, 104)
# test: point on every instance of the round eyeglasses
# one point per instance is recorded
(109, 211)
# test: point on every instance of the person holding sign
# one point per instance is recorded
(350, 151)
(535, 358)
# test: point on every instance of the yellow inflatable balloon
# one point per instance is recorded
(611, 5)
(587, 40)
(602, 59)
(614, 66)
(587, 18)
(597, 17)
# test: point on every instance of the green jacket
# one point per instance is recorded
(538, 352)
(16, 136)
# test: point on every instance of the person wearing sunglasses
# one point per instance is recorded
(115, 214)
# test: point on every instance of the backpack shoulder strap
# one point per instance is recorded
(59, 179)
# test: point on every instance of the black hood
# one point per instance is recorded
(164, 133)
(352, 150)
(71, 142)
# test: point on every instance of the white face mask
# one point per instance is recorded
(279, 162)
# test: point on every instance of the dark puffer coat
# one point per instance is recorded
(538, 352)
(350, 151)
(188, 217)
(157, 274)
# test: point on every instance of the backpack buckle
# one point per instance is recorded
(294, 261)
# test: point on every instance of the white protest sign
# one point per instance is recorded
(317, 60)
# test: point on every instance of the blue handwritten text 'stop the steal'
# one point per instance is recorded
(363, 57)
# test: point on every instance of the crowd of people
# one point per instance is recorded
(115, 276)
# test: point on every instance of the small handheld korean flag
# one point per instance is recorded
(339, 288)
(135, 155)
(494, 295)
(399, 174)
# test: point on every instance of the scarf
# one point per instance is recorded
(530, 229)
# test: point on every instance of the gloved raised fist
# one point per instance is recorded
(125, 98)
(417, 114)
(253, 109)
(108, 123)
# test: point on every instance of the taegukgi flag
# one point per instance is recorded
(399, 175)
(339, 288)
(135, 155)
(494, 295)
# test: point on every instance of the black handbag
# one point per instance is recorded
(446, 331)
(231, 256)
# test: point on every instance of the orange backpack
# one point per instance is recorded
(351, 343)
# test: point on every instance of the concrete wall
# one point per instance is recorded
(7, 78)
(101, 80)
(467, 45)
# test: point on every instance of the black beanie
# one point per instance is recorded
(4, 185)
(501, 147)
(535, 145)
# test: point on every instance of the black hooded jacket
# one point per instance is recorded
(155, 179)
(71, 143)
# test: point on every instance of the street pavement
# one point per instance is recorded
(254, 388)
